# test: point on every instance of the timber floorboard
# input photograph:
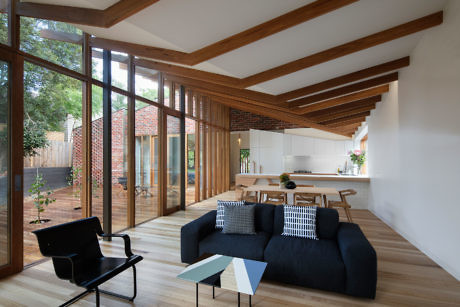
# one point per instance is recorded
(406, 277)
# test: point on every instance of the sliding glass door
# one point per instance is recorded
(10, 164)
(173, 166)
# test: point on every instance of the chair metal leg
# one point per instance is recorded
(98, 300)
(123, 296)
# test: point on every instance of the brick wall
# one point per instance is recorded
(243, 121)
(146, 124)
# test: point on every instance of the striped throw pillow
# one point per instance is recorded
(220, 210)
(300, 222)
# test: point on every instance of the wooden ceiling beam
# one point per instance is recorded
(84, 16)
(344, 99)
(345, 49)
(188, 72)
(338, 116)
(351, 128)
(355, 87)
(287, 117)
(278, 24)
(344, 79)
(241, 94)
(347, 119)
(371, 101)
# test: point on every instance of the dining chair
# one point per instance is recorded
(246, 195)
(306, 199)
(273, 197)
(343, 203)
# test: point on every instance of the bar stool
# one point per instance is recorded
(343, 202)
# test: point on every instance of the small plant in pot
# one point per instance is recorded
(41, 198)
(284, 177)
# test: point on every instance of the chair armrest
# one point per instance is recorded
(192, 233)
(71, 258)
(360, 261)
(126, 240)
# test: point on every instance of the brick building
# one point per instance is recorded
(146, 124)
(243, 121)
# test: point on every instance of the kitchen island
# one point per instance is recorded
(340, 182)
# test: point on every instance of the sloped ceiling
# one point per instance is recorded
(188, 25)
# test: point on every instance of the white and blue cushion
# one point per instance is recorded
(220, 210)
(300, 222)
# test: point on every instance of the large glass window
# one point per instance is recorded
(97, 153)
(4, 206)
(190, 168)
(146, 162)
(119, 70)
(4, 11)
(49, 40)
(173, 162)
(147, 83)
(119, 162)
(53, 152)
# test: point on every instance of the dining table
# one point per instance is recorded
(324, 191)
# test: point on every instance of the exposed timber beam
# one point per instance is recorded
(287, 117)
(249, 96)
(188, 72)
(278, 24)
(360, 117)
(344, 99)
(84, 16)
(355, 87)
(345, 49)
(344, 79)
(344, 114)
(329, 113)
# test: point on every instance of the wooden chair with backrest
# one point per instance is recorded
(306, 199)
(77, 257)
(273, 197)
(245, 195)
(343, 203)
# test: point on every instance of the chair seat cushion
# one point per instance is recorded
(102, 269)
(235, 245)
(312, 263)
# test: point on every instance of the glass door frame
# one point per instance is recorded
(163, 158)
(15, 163)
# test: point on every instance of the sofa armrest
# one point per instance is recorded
(192, 233)
(360, 261)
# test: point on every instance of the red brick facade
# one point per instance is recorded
(146, 124)
(243, 121)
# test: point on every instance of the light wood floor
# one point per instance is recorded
(406, 277)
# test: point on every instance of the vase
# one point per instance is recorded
(356, 170)
(282, 185)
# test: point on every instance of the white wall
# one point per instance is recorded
(414, 146)
(273, 152)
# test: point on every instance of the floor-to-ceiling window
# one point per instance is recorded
(5, 239)
(173, 158)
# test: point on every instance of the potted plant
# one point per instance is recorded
(41, 199)
(284, 177)
(358, 157)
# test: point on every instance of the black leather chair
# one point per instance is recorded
(76, 254)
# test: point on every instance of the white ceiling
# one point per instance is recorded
(187, 25)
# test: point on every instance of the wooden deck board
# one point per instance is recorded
(405, 275)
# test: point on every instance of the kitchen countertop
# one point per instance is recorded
(309, 177)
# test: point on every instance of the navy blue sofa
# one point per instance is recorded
(342, 260)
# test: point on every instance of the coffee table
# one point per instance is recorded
(225, 272)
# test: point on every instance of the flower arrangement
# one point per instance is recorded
(284, 177)
(358, 157)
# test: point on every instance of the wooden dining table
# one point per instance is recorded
(274, 188)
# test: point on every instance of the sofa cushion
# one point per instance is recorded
(220, 210)
(311, 263)
(239, 220)
(263, 217)
(235, 245)
(327, 222)
(300, 222)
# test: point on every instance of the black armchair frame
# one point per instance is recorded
(74, 247)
